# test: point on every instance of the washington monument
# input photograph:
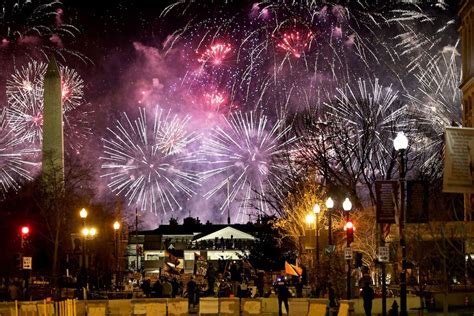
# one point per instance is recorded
(53, 139)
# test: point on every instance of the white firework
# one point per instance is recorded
(243, 159)
(149, 161)
(16, 159)
(25, 98)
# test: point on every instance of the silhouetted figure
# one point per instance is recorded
(260, 283)
(157, 288)
(166, 289)
(175, 287)
(299, 288)
(282, 290)
(146, 287)
(211, 279)
(368, 295)
(332, 299)
(191, 288)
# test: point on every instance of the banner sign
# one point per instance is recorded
(387, 195)
(458, 176)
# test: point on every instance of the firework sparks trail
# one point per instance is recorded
(25, 99)
(27, 28)
(371, 114)
(296, 43)
(331, 43)
(243, 158)
(437, 102)
(16, 159)
(216, 54)
(148, 162)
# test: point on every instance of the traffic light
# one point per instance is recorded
(18, 260)
(349, 228)
(25, 230)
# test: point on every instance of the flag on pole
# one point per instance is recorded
(292, 269)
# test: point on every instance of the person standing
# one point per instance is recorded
(191, 288)
(166, 288)
(282, 290)
(367, 295)
(211, 279)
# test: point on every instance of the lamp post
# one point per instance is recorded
(317, 210)
(116, 250)
(83, 216)
(329, 206)
(347, 206)
(87, 233)
(400, 143)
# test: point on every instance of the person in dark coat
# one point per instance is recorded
(175, 286)
(260, 283)
(368, 295)
(157, 288)
(191, 288)
(146, 287)
(211, 279)
(282, 290)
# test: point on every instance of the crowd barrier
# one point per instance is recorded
(171, 307)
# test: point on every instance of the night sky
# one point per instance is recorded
(130, 64)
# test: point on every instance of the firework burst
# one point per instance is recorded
(25, 99)
(296, 43)
(216, 54)
(34, 28)
(371, 114)
(16, 159)
(148, 161)
(437, 102)
(243, 159)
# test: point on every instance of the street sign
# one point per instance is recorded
(384, 254)
(348, 253)
(27, 263)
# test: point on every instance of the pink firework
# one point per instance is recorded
(216, 54)
(215, 100)
(296, 43)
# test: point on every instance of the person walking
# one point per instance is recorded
(367, 295)
(282, 290)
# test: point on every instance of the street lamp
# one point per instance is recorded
(317, 210)
(117, 267)
(347, 206)
(400, 143)
(85, 232)
(329, 206)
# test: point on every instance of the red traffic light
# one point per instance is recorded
(349, 226)
(25, 230)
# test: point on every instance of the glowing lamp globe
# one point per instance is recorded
(400, 142)
(329, 203)
(83, 213)
(316, 209)
(85, 231)
(347, 205)
(310, 218)
(116, 225)
(92, 232)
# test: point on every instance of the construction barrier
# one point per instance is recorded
(208, 306)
